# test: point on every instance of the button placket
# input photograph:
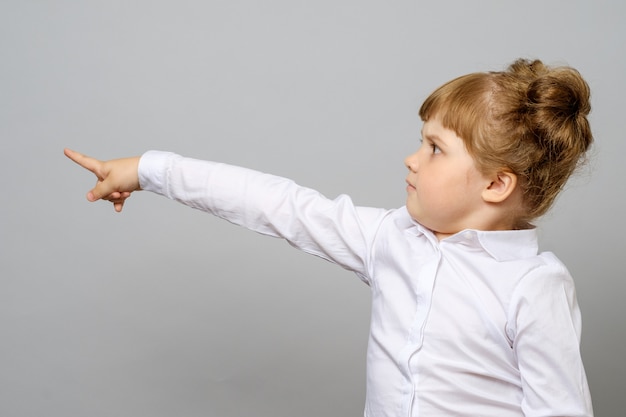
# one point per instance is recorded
(424, 291)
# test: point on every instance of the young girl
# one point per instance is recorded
(468, 319)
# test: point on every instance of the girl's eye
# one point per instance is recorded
(435, 149)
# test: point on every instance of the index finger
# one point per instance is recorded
(84, 161)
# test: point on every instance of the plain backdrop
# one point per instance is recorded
(165, 311)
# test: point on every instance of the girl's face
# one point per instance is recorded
(444, 191)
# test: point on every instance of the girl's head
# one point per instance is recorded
(530, 120)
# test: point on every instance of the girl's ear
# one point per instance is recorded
(501, 187)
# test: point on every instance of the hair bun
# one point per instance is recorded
(557, 104)
(561, 91)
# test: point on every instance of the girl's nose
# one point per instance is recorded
(411, 162)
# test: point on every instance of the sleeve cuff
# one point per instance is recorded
(153, 171)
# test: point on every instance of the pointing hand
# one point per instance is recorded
(117, 178)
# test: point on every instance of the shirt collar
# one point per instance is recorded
(502, 245)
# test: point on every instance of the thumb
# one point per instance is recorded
(99, 191)
(105, 186)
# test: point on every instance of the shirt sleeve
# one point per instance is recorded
(335, 230)
(547, 333)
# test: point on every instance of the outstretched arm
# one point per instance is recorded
(117, 178)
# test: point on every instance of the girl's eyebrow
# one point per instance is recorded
(433, 138)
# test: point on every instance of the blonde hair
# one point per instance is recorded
(530, 120)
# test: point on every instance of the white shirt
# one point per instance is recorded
(478, 324)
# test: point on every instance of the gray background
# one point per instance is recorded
(162, 310)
